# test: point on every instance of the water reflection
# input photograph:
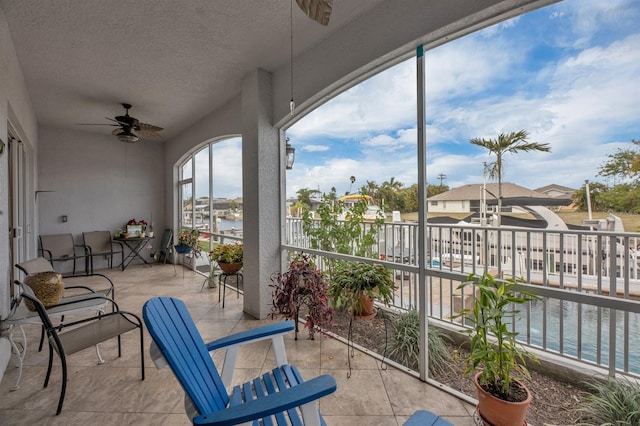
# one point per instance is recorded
(589, 322)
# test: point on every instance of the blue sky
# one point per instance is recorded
(569, 74)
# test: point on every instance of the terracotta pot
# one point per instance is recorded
(230, 268)
(366, 309)
(498, 412)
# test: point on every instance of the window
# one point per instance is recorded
(210, 193)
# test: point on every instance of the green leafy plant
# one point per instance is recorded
(227, 253)
(302, 285)
(331, 233)
(613, 402)
(493, 347)
(351, 280)
(188, 237)
(404, 347)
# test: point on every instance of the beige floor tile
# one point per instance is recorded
(113, 394)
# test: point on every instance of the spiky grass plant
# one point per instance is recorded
(404, 346)
(615, 402)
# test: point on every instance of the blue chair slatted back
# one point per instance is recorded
(179, 341)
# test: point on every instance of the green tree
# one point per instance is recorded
(624, 163)
(512, 143)
(389, 195)
(433, 190)
(410, 196)
(305, 194)
(596, 190)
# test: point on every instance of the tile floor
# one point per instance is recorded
(113, 394)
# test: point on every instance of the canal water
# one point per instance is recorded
(589, 320)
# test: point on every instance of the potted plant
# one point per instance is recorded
(503, 398)
(229, 256)
(355, 285)
(302, 285)
(188, 241)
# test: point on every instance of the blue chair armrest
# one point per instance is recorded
(426, 418)
(255, 334)
(271, 404)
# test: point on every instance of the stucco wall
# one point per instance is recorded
(99, 183)
(15, 106)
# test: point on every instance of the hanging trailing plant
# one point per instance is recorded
(302, 285)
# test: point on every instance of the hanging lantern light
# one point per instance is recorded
(290, 155)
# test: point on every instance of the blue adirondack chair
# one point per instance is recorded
(426, 418)
(279, 397)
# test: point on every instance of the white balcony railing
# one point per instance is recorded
(589, 282)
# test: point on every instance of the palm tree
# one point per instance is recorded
(305, 194)
(512, 143)
(352, 179)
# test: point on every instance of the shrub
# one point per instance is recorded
(404, 347)
(614, 402)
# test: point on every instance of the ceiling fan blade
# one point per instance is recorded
(96, 124)
(148, 130)
(318, 10)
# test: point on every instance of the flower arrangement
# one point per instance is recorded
(227, 253)
(188, 238)
(142, 223)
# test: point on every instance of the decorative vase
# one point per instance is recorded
(498, 412)
(142, 235)
(150, 234)
(230, 268)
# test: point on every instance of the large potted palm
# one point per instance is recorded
(503, 398)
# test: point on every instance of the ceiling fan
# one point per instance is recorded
(318, 10)
(130, 129)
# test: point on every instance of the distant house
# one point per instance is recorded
(467, 199)
(557, 191)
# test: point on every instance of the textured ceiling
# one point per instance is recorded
(174, 61)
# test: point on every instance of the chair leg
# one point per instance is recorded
(63, 390)
(42, 337)
(141, 352)
(46, 379)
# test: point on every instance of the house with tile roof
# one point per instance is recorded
(469, 198)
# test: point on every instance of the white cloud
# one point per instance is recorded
(584, 102)
(315, 148)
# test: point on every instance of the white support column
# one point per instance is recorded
(261, 192)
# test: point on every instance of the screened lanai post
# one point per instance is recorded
(260, 192)
(422, 214)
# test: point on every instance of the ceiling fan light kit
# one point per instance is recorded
(127, 137)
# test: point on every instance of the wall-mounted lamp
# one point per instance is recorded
(290, 155)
